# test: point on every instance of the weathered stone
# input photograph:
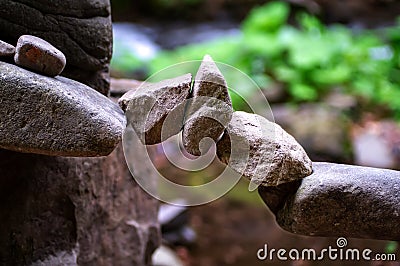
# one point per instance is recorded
(74, 211)
(262, 151)
(55, 116)
(147, 108)
(82, 30)
(38, 55)
(6, 49)
(210, 109)
(341, 200)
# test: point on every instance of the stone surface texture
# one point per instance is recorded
(148, 107)
(82, 30)
(342, 200)
(262, 151)
(74, 211)
(209, 110)
(55, 116)
(36, 54)
(6, 49)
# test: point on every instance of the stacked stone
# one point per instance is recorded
(317, 199)
(78, 210)
(81, 29)
(160, 110)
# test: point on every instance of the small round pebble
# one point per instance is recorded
(38, 55)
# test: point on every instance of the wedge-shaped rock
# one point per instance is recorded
(339, 200)
(55, 116)
(262, 151)
(156, 111)
(210, 108)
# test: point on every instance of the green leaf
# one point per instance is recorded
(267, 18)
(331, 76)
(303, 92)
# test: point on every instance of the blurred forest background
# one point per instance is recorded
(329, 69)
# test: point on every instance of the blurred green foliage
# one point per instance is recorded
(309, 59)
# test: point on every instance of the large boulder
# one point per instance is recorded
(82, 30)
(74, 211)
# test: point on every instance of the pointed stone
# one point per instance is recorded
(6, 49)
(55, 116)
(262, 151)
(156, 110)
(210, 108)
(38, 55)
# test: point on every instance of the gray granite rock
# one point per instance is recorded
(262, 151)
(340, 200)
(55, 116)
(210, 109)
(6, 49)
(81, 29)
(38, 55)
(148, 107)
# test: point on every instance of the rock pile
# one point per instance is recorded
(78, 210)
(81, 29)
(59, 210)
(250, 144)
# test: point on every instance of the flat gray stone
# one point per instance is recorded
(6, 49)
(340, 200)
(262, 151)
(81, 29)
(150, 105)
(38, 55)
(209, 110)
(55, 116)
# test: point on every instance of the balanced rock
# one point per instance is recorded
(262, 151)
(55, 116)
(6, 49)
(81, 29)
(156, 110)
(339, 200)
(38, 55)
(210, 109)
